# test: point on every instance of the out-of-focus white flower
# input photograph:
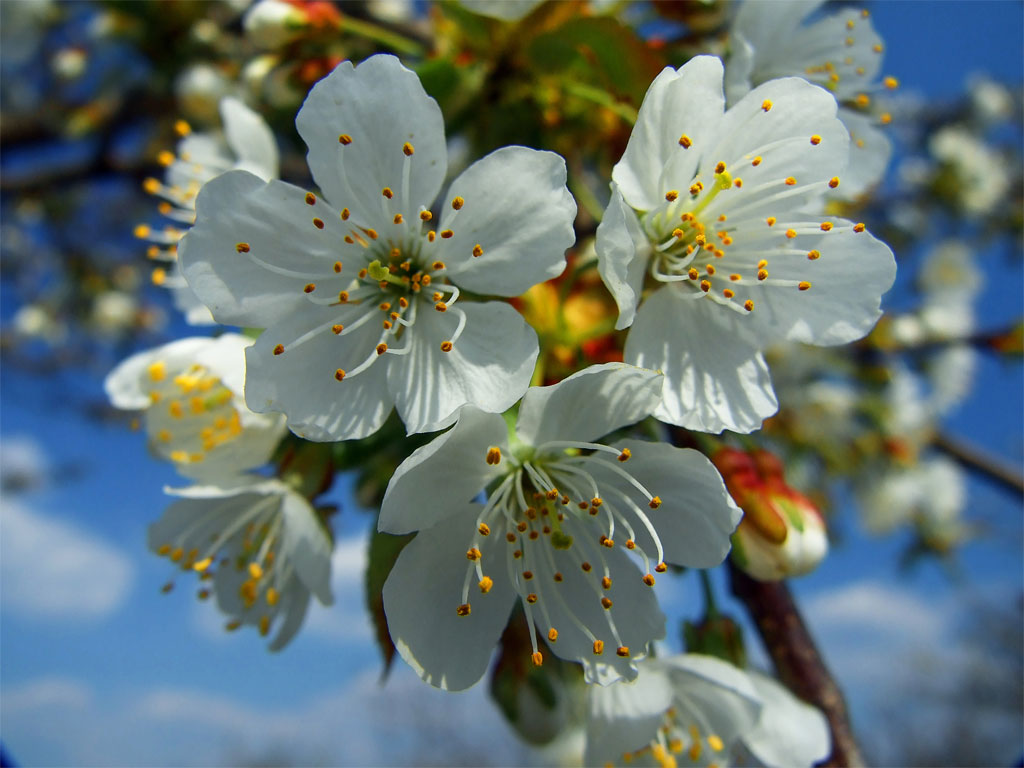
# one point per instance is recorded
(505, 10)
(258, 543)
(698, 710)
(359, 295)
(195, 414)
(714, 212)
(951, 373)
(32, 321)
(246, 143)
(991, 101)
(114, 312)
(978, 173)
(273, 23)
(840, 52)
(392, 10)
(69, 63)
(562, 516)
(199, 89)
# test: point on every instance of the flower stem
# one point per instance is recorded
(710, 605)
(385, 37)
(602, 97)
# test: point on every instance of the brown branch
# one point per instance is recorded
(797, 661)
(972, 457)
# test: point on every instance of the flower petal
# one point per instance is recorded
(518, 210)
(843, 300)
(307, 545)
(589, 404)
(624, 717)
(622, 253)
(250, 138)
(301, 381)
(870, 151)
(713, 694)
(283, 249)
(696, 516)
(295, 602)
(687, 101)
(379, 106)
(441, 476)
(789, 732)
(129, 384)
(489, 366)
(422, 593)
(715, 377)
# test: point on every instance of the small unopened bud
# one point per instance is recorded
(272, 24)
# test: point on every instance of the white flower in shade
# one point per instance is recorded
(246, 143)
(716, 224)
(362, 297)
(563, 526)
(977, 170)
(195, 413)
(256, 543)
(840, 52)
(699, 710)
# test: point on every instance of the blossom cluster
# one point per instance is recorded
(388, 289)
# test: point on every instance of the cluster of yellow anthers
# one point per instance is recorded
(834, 76)
(196, 413)
(178, 203)
(394, 283)
(549, 518)
(669, 745)
(724, 248)
(256, 560)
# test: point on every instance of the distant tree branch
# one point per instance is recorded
(974, 458)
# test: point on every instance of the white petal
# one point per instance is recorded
(224, 357)
(739, 67)
(250, 138)
(789, 732)
(697, 515)
(301, 381)
(688, 101)
(441, 476)
(307, 546)
(274, 220)
(382, 106)
(870, 151)
(624, 717)
(295, 603)
(425, 588)
(129, 384)
(518, 210)
(489, 366)
(844, 300)
(715, 377)
(589, 404)
(622, 254)
(506, 10)
(714, 694)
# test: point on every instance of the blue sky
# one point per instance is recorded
(100, 668)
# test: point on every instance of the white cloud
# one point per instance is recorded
(22, 461)
(53, 568)
(45, 693)
(876, 608)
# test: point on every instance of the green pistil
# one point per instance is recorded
(559, 539)
(723, 180)
(380, 273)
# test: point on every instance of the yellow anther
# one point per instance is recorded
(463, 610)
(598, 647)
(344, 139)
(485, 584)
(623, 651)
(803, 285)
(720, 167)
(381, 348)
(748, 305)
(408, 149)
(256, 570)
(672, 195)
(142, 231)
(585, 566)
(552, 635)
(426, 215)
(814, 255)
(478, 251)
(715, 742)
(790, 233)
(858, 227)
(705, 286)
(558, 577)
(485, 529)
(826, 226)
(165, 158)
(232, 625)
(709, 268)
(693, 274)
(678, 234)
(318, 223)
(756, 161)
(737, 183)
(345, 213)
(446, 346)
(441, 306)
(473, 554)
(175, 409)
(310, 198)
(398, 218)
(624, 456)
(151, 186)
(790, 181)
(203, 564)
(457, 202)
(494, 455)
(264, 625)
(309, 287)
(862, 100)
(279, 349)
(606, 582)
(606, 542)
(537, 658)
(158, 370)
(387, 193)
(850, 23)
(649, 580)
(770, 221)
(272, 597)
(655, 502)
(446, 233)
(696, 188)
(762, 274)
(182, 128)
(685, 142)
(766, 105)
(885, 118)
(891, 83)
(531, 598)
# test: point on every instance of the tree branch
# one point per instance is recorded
(797, 661)
(974, 458)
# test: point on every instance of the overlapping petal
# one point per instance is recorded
(622, 254)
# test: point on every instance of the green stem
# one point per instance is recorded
(385, 37)
(585, 197)
(711, 606)
(605, 99)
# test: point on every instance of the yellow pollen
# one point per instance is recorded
(696, 188)
(738, 183)
(142, 231)
(426, 215)
(408, 149)
(585, 566)
(344, 139)
(345, 213)
(709, 268)
(318, 223)
(494, 455)
(693, 274)
(862, 100)
(538, 658)
(790, 233)
(485, 584)
(833, 182)
(826, 226)
(242, 247)
(770, 221)
(203, 564)
(814, 255)
(182, 128)
(272, 597)
(655, 502)
(859, 227)
(473, 554)
(762, 264)
(623, 651)
(649, 580)
(372, 233)
(606, 603)
(478, 251)
(705, 286)
(446, 233)
(598, 647)
(441, 306)
(531, 598)
(790, 181)
(463, 610)
(446, 346)
(398, 218)
(310, 198)
(158, 370)
(756, 161)
(387, 193)
(735, 277)
(309, 288)
(678, 234)
(624, 456)
(891, 83)
(766, 105)
(165, 158)
(457, 202)
(437, 265)
(606, 542)
(815, 139)
(748, 305)
(803, 285)
(552, 634)
(382, 348)
(606, 582)
(762, 274)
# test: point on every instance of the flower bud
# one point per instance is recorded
(782, 533)
(273, 24)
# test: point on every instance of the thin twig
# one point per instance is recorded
(991, 466)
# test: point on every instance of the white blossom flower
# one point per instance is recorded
(273, 23)
(718, 211)
(932, 493)
(978, 172)
(562, 516)
(259, 544)
(246, 143)
(195, 414)
(359, 295)
(840, 52)
(699, 710)
(504, 10)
